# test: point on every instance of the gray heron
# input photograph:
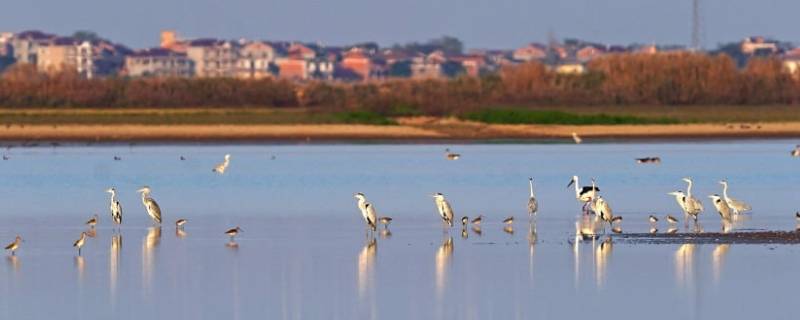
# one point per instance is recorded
(576, 138)
(372, 217)
(604, 211)
(444, 208)
(80, 242)
(153, 210)
(233, 232)
(92, 222)
(584, 194)
(220, 168)
(690, 205)
(180, 222)
(115, 207)
(14, 245)
(450, 155)
(722, 207)
(365, 208)
(737, 206)
(533, 205)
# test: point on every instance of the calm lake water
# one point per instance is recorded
(304, 253)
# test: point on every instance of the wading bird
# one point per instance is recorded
(364, 206)
(508, 221)
(153, 210)
(655, 160)
(385, 221)
(220, 168)
(450, 155)
(604, 212)
(372, 217)
(116, 207)
(722, 207)
(737, 206)
(80, 242)
(445, 211)
(576, 138)
(672, 220)
(796, 151)
(690, 205)
(478, 220)
(653, 220)
(180, 222)
(533, 205)
(92, 222)
(464, 221)
(233, 232)
(584, 194)
(14, 245)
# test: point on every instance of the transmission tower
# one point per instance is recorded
(696, 27)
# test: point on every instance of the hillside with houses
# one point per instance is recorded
(91, 56)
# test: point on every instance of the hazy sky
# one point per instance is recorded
(479, 23)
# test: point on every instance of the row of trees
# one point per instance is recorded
(630, 79)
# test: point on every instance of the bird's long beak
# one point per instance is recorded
(571, 182)
(672, 193)
(140, 190)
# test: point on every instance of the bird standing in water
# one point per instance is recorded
(92, 222)
(220, 168)
(464, 221)
(153, 210)
(737, 206)
(80, 242)
(233, 232)
(451, 156)
(478, 220)
(180, 222)
(533, 205)
(445, 211)
(367, 211)
(385, 221)
(14, 245)
(115, 207)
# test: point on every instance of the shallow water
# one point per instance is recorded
(304, 253)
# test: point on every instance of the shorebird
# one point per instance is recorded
(464, 221)
(80, 242)
(533, 205)
(445, 211)
(672, 220)
(180, 222)
(616, 219)
(653, 230)
(116, 207)
(797, 215)
(478, 220)
(385, 221)
(233, 232)
(14, 245)
(450, 155)
(220, 168)
(576, 138)
(653, 219)
(153, 210)
(737, 206)
(92, 222)
(371, 216)
(796, 151)
(584, 194)
(722, 207)
(648, 160)
(508, 221)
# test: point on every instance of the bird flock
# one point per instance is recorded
(589, 196)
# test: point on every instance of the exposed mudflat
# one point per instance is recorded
(754, 237)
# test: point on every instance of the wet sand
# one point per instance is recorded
(754, 237)
(422, 128)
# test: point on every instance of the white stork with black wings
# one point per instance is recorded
(584, 194)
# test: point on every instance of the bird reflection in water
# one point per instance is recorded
(684, 264)
(385, 233)
(149, 244)
(180, 234)
(718, 259)
(464, 233)
(366, 267)
(532, 239)
(113, 264)
(477, 230)
(443, 257)
(509, 229)
(13, 263)
(91, 232)
(601, 258)
(79, 265)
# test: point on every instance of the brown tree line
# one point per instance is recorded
(627, 79)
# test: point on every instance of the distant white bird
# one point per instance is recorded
(220, 168)
(576, 138)
(533, 205)
(153, 210)
(671, 219)
(796, 151)
(693, 205)
(450, 155)
(722, 207)
(445, 211)
(584, 194)
(115, 207)
(737, 206)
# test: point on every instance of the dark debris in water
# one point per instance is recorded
(756, 237)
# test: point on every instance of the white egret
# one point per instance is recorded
(576, 138)
(737, 206)
(220, 168)
(533, 205)
(445, 211)
(153, 210)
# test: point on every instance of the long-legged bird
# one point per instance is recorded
(153, 210)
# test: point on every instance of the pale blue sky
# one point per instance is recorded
(479, 23)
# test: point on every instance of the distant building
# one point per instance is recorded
(752, 45)
(158, 62)
(213, 58)
(25, 45)
(295, 67)
(359, 63)
(88, 58)
(302, 51)
(570, 68)
(6, 50)
(472, 64)
(254, 60)
(531, 52)
(588, 53)
(428, 66)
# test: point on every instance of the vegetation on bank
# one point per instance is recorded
(521, 116)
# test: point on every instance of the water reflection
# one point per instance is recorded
(509, 230)
(601, 259)
(113, 265)
(385, 233)
(91, 232)
(443, 257)
(532, 239)
(477, 230)
(684, 265)
(13, 263)
(366, 276)
(718, 259)
(179, 233)
(149, 244)
(79, 265)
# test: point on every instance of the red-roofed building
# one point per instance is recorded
(359, 63)
(531, 52)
